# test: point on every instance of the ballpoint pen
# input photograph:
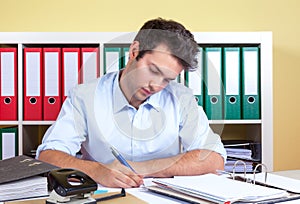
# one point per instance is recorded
(120, 158)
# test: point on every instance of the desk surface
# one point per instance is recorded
(128, 199)
(150, 197)
(295, 174)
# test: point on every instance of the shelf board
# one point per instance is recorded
(46, 122)
(210, 122)
(234, 122)
(5, 122)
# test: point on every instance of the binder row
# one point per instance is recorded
(49, 73)
(227, 83)
(8, 142)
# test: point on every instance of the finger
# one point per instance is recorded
(137, 178)
(125, 182)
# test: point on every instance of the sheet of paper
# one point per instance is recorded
(289, 184)
(222, 189)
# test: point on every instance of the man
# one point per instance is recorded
(153, 121)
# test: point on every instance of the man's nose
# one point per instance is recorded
(157, 84)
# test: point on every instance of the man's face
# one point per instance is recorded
(150, 74)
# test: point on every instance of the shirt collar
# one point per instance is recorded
(120, 102)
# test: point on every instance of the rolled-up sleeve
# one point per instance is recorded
(68, 132)
(195, 131)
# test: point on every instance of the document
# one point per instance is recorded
(21, 177)
(232, 165)
(214, 85)
(21, 167)
(32, 187)
(112, 59)
(70, 70)
(220, 189)
(8, 85)
(52, 83)
(250, 83)
(125, 56)
(282, 182)
(194, 80)
(8, 142)
(231, 80)
(90, 67)
(33, 74)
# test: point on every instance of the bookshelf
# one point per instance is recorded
(261, 130)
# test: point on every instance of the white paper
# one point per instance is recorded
(283, 182)
(220, 188)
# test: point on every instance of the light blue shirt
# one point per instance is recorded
(97, 116)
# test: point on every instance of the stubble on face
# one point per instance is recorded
(149, 75)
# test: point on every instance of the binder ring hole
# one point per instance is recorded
(196, 99)
(32, 100)
(7, 100)
(51, 100)
(232, 100)
(251, 99)
(214, 100)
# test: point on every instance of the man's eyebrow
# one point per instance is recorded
(159, 70)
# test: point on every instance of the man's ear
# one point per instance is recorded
(134, 50)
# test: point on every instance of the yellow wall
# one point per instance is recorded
(280, 17)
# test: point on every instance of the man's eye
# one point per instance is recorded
(167, 80)
(154, 70)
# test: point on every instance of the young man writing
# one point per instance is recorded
(141, 112)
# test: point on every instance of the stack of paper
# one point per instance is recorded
(243, 149)
(220, 189)
(235, 154)
(239, 167)
(239, 153)
(20, 177)
(25, 188)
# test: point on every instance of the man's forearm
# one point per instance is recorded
(64, 160)
(195, 162)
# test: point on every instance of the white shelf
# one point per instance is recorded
(264, 39)
(9, 122)
(235, 122)
(37, 122)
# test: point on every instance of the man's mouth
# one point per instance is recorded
(146, 91)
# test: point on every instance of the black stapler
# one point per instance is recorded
(71, 186)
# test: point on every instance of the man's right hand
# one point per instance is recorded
(109, 175)
(117, 175)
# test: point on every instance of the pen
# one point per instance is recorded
(120, 158)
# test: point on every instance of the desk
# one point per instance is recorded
(153, 198)
(295, 174)
(157, 198)
(128, 199)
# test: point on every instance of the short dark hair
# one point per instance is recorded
(174, 35)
